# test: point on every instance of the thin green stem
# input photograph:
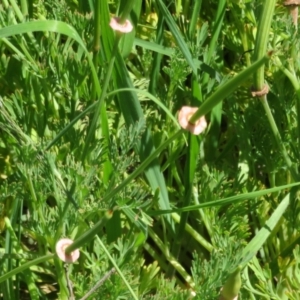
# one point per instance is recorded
(177, 266)
(157, 57)
(178, 7)
(259, 79)
(96, 46)
(227, 88)
(67, 127)
(189, 175)
(218, 22)
(295, 82)
(195, 15)
(117, 268)
(126, 11)
(278, 138)
(204, 216)
(197, 237)
(24, 8)
(262, 38)
(26, 266)
(89, 235)
(34, 198)
(21, 16)
(225, 201)
(17, 10)
(101, 100)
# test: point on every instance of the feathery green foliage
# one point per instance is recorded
(91, 150)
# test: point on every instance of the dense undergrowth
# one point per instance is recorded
(91, 149)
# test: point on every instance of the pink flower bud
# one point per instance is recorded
(60, 248)
(184, 116)
(116, 26)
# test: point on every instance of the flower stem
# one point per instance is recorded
(259, 81)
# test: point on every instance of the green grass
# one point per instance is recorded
(91, 150)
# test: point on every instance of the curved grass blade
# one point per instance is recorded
(256, 243)
(53, 26)
(176, 33)
(229, 200)
(26, 266)
(151, 97)
(228, 87)
(132, 112)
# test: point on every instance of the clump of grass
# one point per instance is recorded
(91, 150)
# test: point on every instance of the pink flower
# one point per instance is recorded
(60, 247)
(184, 116)
(116, 26)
